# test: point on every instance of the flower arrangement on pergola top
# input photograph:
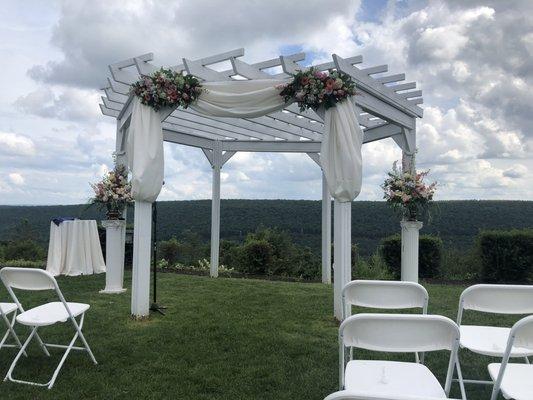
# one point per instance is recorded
(311, 89)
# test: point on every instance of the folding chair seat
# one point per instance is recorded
(515, 381)
(29, 279)
(385, 295)
(490, 340)
(5, 310)
(396, 333)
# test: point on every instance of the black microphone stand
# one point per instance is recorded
(154, 306)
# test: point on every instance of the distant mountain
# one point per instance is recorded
(456, 222)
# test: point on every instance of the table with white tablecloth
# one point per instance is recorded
(74, 249)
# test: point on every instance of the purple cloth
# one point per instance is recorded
(59, 220)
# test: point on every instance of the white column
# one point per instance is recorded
(326, 232)
(114, 256)
(142, 249)
(410, 250)
(342, 263)
(215, 209)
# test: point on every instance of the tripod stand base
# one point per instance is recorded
(158, 308)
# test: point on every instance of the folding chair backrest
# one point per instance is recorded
(391, 295)
(522, 332)
(399, 332)
(27, 279)
(346, 395)
(497, 299)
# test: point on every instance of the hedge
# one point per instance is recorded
(506, 256)
(429, 255)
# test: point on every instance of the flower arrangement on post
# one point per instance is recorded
(314, 89)
(407, 192)
(167, 88)
(113, 192)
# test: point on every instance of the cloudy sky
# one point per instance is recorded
(473, 59)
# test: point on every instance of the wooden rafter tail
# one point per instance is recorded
(377, 89)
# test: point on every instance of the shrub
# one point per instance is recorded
(460, 265)
(392, 254)
(169, 250)
(256, 257)
(372, 268)
(24, 250)
(429, 255)
(506, 256)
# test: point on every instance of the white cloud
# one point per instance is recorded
(16, 179)
(16, 145)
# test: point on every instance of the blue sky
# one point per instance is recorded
(474, 61)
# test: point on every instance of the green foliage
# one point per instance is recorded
(24, 250)
(429, 255)
(272, 252)
(373, 268)
(456, 222)
(186, 251)
(23, 264)
(460, 265)
(392, 254)
(507, 256)
(169, 250)
(256, 257)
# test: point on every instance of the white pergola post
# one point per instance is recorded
(142, 246)
(326, 232)
(342, 259)
(215, 209)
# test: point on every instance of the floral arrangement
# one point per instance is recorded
(408, 192)
(167, 88)
(113, 192)
(314, 89)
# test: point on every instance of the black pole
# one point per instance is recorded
(154, 306)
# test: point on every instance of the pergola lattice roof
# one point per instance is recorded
(386, 107)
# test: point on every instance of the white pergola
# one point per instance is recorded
(386, 107)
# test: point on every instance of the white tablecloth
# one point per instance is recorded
(74, 249)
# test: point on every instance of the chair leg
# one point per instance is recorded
(10, 329)
(82, 337)
(460, 378)
(65, 354)
(21, 351)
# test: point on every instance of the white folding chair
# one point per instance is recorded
(348, 395)
(387, 295)
(5, 310)
(494, 299)
(397, 333)
(514, 380)
(31, 279)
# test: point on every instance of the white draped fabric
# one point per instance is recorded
(240, 99)
(144, 152)
(74, 249)
(340, 152)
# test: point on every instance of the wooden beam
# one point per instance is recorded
(377, 89)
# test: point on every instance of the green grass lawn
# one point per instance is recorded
(220, 339)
